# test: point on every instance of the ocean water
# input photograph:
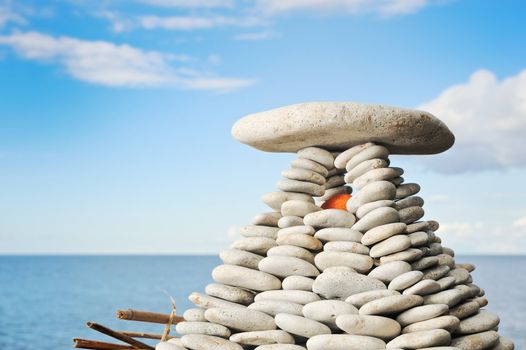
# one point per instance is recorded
(45, 301)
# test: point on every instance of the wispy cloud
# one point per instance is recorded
(488, 118)
(196, 22)
(8, 15)
(520, 223)
(256, 36)
(189, 3)
(108, 64)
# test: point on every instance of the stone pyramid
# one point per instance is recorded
(361, 273)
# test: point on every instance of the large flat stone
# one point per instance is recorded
(340, 125)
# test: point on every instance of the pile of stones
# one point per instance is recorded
(372, 275)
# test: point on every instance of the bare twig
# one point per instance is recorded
(145, 316)
(105, 330)
(99, 345)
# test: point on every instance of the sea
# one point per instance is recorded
(45, 301)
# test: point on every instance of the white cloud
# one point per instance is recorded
(381, 7)
(256, 36)
(196, 22)
(488, 118)
(520, 223)
(189, 3)
(105, 63)
(7, 15)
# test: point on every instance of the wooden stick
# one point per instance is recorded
(144, 335)
(99, 345)
(146, 316)
(104, 330)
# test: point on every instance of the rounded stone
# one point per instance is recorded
(461, 275)
(292, 251)
(368, 207)
(289, 221)
(243, 277)
(306, 230)
(276, 199)
(409, 255)
(274, 307)
(378, 174)
(341, 160)
(299, 208)
(194, 314)
(344, 342)
(303, 175)
(340, 284)
(391, 245)
(373, 152)
(418, 340)
(379, 233)
(297, 283)
(424, 263)
(326, 311)
(338, 234)
(205, 301)
(411, 214)
(318, 155)
(418, 238)
(300, 326)
(363, 298)
(436, 273)
(241, 319)
(331, 192)
(480, 322)
(329, 218)
(256, 245)
(424, 287)
(447, 322)
(263, 337)
(334, 181)
(465, 309)
(294, 296)
(233, 294)
(450, 297)
(503, 344)
(300, 240)
(387, 272)
(259, 231)
(164, 345)
(374, 326)
(305, 187)
(406, 190)
(483, 340)
(364, 167)
(240, 258)
(280, 347)
(302, 163)
(376, 217)
(372, 192)
(413, 201)
(202, 328)
(346, 246)
(405, 280)
(283, 266)
(267, 219)
(416, 226)
(208, 342)
(421, 313)
(359, 262)
(390, 305)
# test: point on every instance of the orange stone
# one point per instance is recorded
(337, 201)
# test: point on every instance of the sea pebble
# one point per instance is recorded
(300, 326)
(422, 288)
(240, 258)
(303, 175)
(405, 280)
(363, 298)
(461, 275)
(326, 311)
(424, 263)
(436, 273)
(233, 294)
(409, 255)
(341, 160)
(292, 251)
(397, 181)
(244, 319)
(444, 259)
(373, 152)
(372, 192)
(391, 245)
(267, 219)
(300, 240)
(407, 190)
(164, 345)
(319, 155)
(416, 226)
(256, 245)
(502, 344)
(306, 230)
(208, 342)
(447, 322)
(195, 314)
(413, 201)
(298, 208)
(448, 251)
(205, 301)
(302, 163)
(480, 322)
(329, 218)
(418, 340)
(334, 181)
(297, 283)
(377, 175)
(368, 207)
(469, 267)
(450, 297)
(465, 309)
(276, 336)
(421, 313)
(359, 262)
(280, 347)
(331, 192)
(379, 233)
(202, 328)
(259, 231)
(346, 246)
(344, 342)
(338, 234)
(276, 199)
(387, 272)
(376, 217)
(411, 214)
(418, 238)
(390, 305)
(243, 277)
(283, 266)
(374, 326)
(483, 340)
(274, 307)
(364, 167)
(295, 296)
(339, 284)
(305, 187)
(288, 221)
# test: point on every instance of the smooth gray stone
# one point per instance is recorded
(299, 208)
(334, 181)
(418, 238)
(390, 305)
(391, 245)
(364, 167)
(411, 214)
(256, 245)
(409, 255)
(416, 226)
(446, 282)
(208, 342)
(331, 192)
(413, 201)
(241, 319)
(406, 190)
(483, 340)
(503, 344)
(378, 174)
(276, 199)
(467, 266)
(329, 218)
(306, 230)
(267, 219)
(448, 251)
(297, 283)
(368, 207)
(195, 315)
(421, 313)
(301, 163)
(284, 266)
(465, 309)
(376, 217)
(338, 234)
(274, 307)
(344, 342)
(280, 347)
(397, 181)
(300, 326)
(363, 298)
(205, 301)
(300, 240)
(480, 322)
(293, 251)
(447, 322)
(433, 225)
(450, 297)
(340, 284)
(372, 192)
(289, 221)
(326, 311)
(318, 155)
(335, 171)
(341, 160)
(405, 280)
(445, 259)
(164, 345)
(202, 328)
(259, 231)
(424, 287)
(436, 273)
(461, 275)
(373, 152)
(263, 337)
(240, 258)
(243, 277)
(435, 248)
(359, 262)
(346, 246)
(374, 326)
(387, 272)
(229, 293)
(304, 175)
(424, 263)
(294, 296)
(418, 340)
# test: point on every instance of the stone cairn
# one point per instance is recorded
(373, 276)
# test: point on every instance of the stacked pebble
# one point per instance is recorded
(371, 277)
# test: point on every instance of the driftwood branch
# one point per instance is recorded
(124, 338)
(99, 345)
(145, 316)
(144, 335)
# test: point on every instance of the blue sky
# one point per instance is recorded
(115, 116)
